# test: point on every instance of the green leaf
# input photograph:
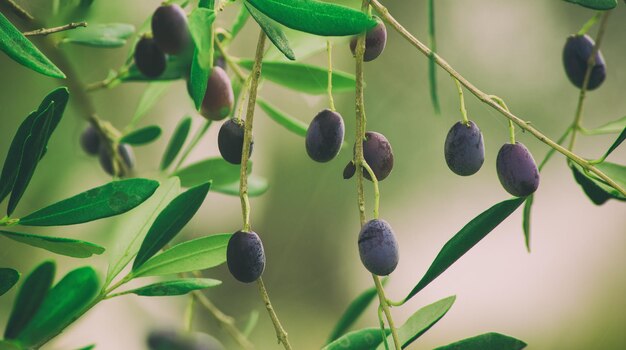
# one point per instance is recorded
(20, 49)
(620, 139)
(7, 345)
(170, 221)
(465, 239)
(223, 175)
(60, 97)
(132, 229)
(107, 35)
(487, 341)
(614, 126)
(421, 321)
(8, 278)
(315, 17)
(142, 136)
(63, 246)
(303, 77)
(598, 191)
(150, 96)
(595, 4)
(194, 255)
(112, 199)
(176, 142)
(88, 347)
(29, 298)
(177, 68)
(432, 65)
(176, 287)
(352, 313)
(362, 339)
(33, 150)
(290, 123)
(526, 219)
(239, 22)
(304, 45)
(272, 30)
(63, 304)
(201, 28)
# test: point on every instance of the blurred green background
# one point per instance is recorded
(568, 293)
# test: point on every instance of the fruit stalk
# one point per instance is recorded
(483, 97)
(46, 31)
(359, 161)
(576, 125)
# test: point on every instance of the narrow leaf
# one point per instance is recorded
(12, 161)
(105, 35)
(487, 341)
(303, 77)
(34, 148)
(150, 97)
(620, 139)
(272, 30)
(201, 28)
(20, 49)
(8, 345)
(8, 278)
(598, 191)
(421, 321)
(112, 199)
(611, 127)
(304, 45)
(362, 339)
(465, 239)
(64, 246)
(142, 136)
(526, 219)
(132, 229)
(194, 255)
(29, 298)
(176, 142)
(432, 65)
(290, 123)
(239, 22)
(170, 221)
(65, 301)
(315, 17)
(176, 287)
(60, 97)
(352, 313)
(223, 175)
(595, 4)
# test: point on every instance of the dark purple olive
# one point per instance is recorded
(230, 140)
(90, 140)
(464, 149)
(219, 98)
(245, 256)
(576, 54)
(125, 152)
(172, 340)
(375, 41)
(324, 136)
(149, 58)
(219, 61)
(170, 29)
(378, 247)
(349, 170)
(517, 170)
(378, 155)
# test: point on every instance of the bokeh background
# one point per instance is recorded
(568, 293)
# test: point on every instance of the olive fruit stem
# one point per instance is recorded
(281, 334)
(585, 28)
(462, 101)
(501, 102)
(46, 31)
(331, 101)
(381, 322)
(360, 163)
(483, 97)
(227, 322)
(576, 125)
(376, 191)
(189, 314)
(196, 138)
(247, 136)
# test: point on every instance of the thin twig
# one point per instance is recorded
(19, 11)
(46, 31)
(281, 334)
(384, 13)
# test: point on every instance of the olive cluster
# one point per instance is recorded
(94, 144)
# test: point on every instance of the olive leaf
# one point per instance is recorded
(8, 278)
(366, 338)
(29, 298)
(170, 288)
(597, 190)
(142, 136)
(608, 128)
(149, 98)
(432, 64)
(315, 17)
(176, 142)
(273, 31)
(288, 122)
(63, 246)
(200, 26)
(595, 4)
(239, 22)
(106, 35)
(21, 50)
(487, 341)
